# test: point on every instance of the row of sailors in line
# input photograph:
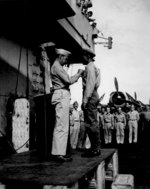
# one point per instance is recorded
(108, 122)
(137, 123)
(119, 121)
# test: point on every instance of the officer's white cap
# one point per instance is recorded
(63, 52)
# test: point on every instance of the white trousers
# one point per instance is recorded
(74, 135)
(61, 100)
(120, 132)
(133, 131)
(108, 133)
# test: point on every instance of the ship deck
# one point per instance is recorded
(28, 168)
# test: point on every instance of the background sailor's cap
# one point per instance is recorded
(63, 52)
(90, 52)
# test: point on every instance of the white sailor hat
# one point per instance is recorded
(63, 52)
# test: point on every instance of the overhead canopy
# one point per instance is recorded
(34, 22)
(27, 21)
(37, 8)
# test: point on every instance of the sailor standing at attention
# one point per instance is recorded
(91, 83)
(108, 125)
(120, 123)
(76, 128)
(133, 118)
(61, 99)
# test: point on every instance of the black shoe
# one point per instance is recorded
(80, 149)
(67, 156)
(60, 158)
(92, 153)
(87, 150)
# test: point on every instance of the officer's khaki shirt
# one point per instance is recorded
(91, 81)
(120, 118)
(109, 118)
(60, 78)
(133, 115)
